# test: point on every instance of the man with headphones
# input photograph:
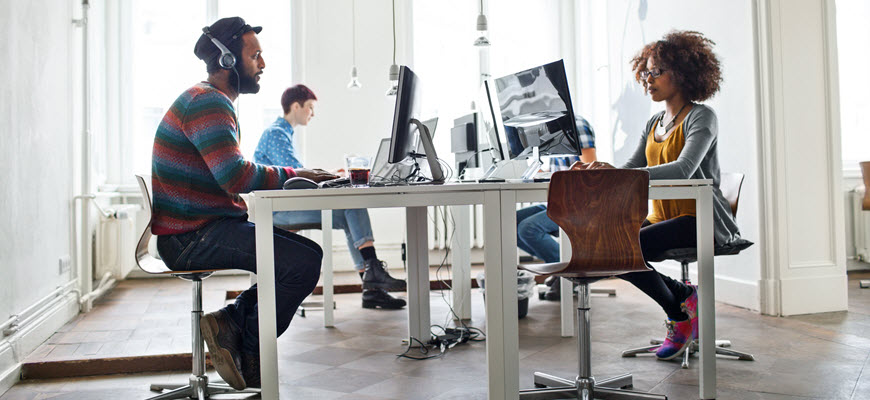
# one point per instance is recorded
(199, 218)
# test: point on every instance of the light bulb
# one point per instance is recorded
(481, 41)
(354, 80)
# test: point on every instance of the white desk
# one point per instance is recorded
(499, 209)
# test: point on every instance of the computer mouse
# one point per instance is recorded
(298, 182)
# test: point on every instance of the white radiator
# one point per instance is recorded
(441, 227)
(116, 240)
(860, 224)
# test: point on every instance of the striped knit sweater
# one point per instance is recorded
(197, 167)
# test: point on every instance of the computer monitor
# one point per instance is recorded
(536, 112)
(463, 142)
(406, 122)
(490, 120)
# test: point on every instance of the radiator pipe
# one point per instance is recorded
(17, 320)
(84, 250)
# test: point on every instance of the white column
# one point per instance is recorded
(327, 268)
(500, 260)
(802, 221)
(418, 274)
(461, 251)
(266, 298)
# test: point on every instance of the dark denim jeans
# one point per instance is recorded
(228, 243)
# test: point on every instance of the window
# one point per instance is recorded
(163, 65)
(853, 40)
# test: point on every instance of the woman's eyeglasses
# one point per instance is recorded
(655, 73)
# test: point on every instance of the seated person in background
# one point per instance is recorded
(276, 148)
(536, 231)
(677, 143)
(199, 218)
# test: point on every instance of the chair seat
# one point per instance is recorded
(555, 269)
(690, 254)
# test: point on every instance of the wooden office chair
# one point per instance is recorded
(198, 386)
(730, 185)
(601, 211)
(865, 205)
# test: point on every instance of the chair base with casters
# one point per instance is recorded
(198, 386)
(686, 256)
(584, 386)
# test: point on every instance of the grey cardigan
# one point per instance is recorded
(699, 159)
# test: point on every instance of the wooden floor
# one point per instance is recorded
(821, 356)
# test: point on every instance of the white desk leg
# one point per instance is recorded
(706, 293)
(500, 254)
(566, 299)
(461, 251)
(418, 274)
(266, 298)
(327, 268)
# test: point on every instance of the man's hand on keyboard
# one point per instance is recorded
(316, 175)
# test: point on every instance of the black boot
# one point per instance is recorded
(553, 292)
(376, 277)
(376, 298)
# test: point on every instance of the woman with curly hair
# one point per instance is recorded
(677, 143)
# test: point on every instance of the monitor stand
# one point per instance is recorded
(429, 149)
(533, 169)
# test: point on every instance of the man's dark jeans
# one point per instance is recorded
(228, 243)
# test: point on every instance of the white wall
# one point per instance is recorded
(611, 33)
(350, 121)
(39, 137)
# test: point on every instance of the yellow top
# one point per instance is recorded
(662, 153)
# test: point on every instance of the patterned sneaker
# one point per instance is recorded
(679, 338)
(690, 307)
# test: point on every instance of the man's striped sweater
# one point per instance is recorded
(197, 167)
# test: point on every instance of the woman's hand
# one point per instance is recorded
(593, 165)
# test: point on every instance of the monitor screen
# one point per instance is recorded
(407, 107)
(491, 121)
(536, 111)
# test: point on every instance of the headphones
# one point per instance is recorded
(226, 60)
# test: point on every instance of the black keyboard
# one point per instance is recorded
(334, 183)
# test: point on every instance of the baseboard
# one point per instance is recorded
(815, 294)
(16, 347)
(729, 290)
(109, 366)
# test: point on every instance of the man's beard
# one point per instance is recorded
(244, 80)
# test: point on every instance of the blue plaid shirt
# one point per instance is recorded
(584, 130)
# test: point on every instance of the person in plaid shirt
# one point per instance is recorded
(536, 231)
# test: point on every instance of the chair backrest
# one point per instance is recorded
(144, 259)
(730, 185)
(601, 211)
(865, 172)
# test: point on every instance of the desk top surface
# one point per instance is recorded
(450, 187)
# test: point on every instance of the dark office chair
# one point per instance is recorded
(198, 386)
(730, 185)
(865, 205)
(601, 211)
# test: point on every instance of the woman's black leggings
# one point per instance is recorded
(674, 233)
